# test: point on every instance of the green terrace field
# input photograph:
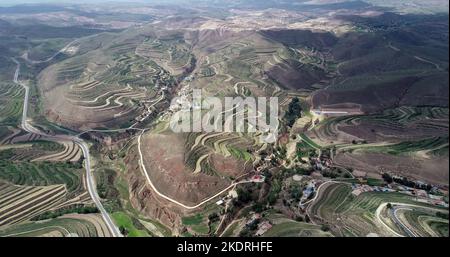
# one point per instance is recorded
(11, 101)
(305, 150)
(87, 225)
(42, 174)
(30, 188)
(350, 215)
(24, 149)
(201, 147)
(436, 146)
(284, 227)
(362, 92)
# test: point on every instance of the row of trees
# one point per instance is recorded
(80, 209)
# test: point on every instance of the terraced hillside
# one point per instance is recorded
(200, 165)
(42, 173)
(362, 138)
(112, 86)
(411, 141)
(392, 125)
(73, 225)
(39, 151)
(11, 99)
(351, 215)
(18, 204)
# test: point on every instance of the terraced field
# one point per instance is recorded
(110, 87)
(20, 203)
(284, 227)
(79, 225)
(189, 168)
(239, 67)
(205, 151)
(11, 101)
(70, 153)
(171, 53)
(351, 215)
(39, 151)
(373, 92)
(401, 124)
(437, 146)
(411, 141)
(43, 174)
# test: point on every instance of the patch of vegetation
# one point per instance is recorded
(127, 226)
(305, 150)
(6, 154)
(105, 184)
(80, 209)
(293, 113)
(192, 220)
(47, 146)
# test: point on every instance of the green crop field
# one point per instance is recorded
(126, 222)
(436, 145)
(192, 220)
(42, 174)
(283, 227)
(11, 101)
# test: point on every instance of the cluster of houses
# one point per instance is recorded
(309, 190)
(320, 163)
(362, 188)
(421, 195)
(263, 226)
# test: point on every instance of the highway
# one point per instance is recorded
(90, 182)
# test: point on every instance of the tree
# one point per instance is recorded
(213, 217)
(325, 227)
(123, 230)
(387, 178)
(243, 195)
(258, 207)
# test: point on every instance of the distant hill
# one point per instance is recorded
(24, 9)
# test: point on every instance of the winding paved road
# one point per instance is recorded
(90, 182)
(397, 207)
